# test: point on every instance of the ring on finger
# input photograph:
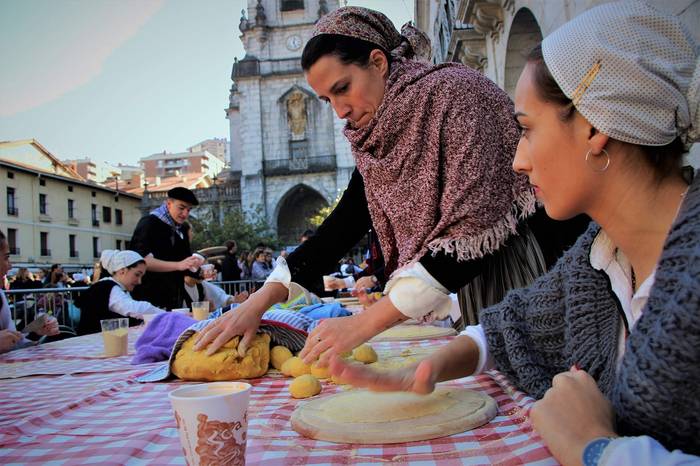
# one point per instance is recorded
(318, 339)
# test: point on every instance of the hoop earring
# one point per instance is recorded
(607, 161)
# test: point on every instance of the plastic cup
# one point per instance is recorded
(212, 420)
(208, 271)
(328, 283)
(115, 334)
(200, 310)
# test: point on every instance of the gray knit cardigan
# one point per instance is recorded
(570, 315)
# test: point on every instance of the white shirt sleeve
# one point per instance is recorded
(215, 294)
(122, 303)
(643, 451)
(7, 323)
(416, 294)
(476, 333)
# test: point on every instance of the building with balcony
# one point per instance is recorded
(286, 145)
(216, 146)
(51, 214)
(91, 170)
(168, 164)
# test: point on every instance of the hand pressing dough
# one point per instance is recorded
(278, 356)
(360, 416)
(305, 386)
(295, 367)
(365, 354)
(320, 372)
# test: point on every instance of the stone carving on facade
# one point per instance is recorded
(296, 115)
(469, 48)
(322, 8)
(487, 18)
(243, 25)
(260, 17)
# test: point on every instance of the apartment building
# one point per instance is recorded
(51, 214)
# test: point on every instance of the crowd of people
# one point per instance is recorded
(564, 217)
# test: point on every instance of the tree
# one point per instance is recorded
(318, 218)
(248, 230)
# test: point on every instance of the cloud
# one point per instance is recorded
(49, 55)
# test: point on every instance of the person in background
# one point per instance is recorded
(10, 338)
(609, 339)
(162, 240)
(202, 290)
(24, 280)
(110, 298)
(230, 270)
(260, 269)
(305, 236)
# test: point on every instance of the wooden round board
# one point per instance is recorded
(364, 417)
(414, 332)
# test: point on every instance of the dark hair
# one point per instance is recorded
(135, 264)
(664, 160)
(3, 240)
(229, 244)
(349, 50)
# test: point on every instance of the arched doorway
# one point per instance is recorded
(525, 33)
(294, 210)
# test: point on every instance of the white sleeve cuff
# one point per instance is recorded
(416, 294)
(476, 333)
(280, 274)
(349, 282)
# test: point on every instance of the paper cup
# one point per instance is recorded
(115, 335)
(212, 420)
(208, 271)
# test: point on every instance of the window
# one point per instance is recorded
(11, 175)
(95, 247)
(71, 208)
(93, 210)
(127, 244)
(12, 202)
(42, 182)
(44, 243)
(70, 189)
(119, 244)
(106, 214)
(12, 241)
(118, 216)
(71, 246)
(42, 204)
(94, 194)
(290, 5)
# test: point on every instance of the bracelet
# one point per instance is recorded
(594, 451)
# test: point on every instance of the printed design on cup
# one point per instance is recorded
(216, 442)
(181, 426)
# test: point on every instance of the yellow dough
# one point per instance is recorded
(278, 356)
(414, 332)
(225, 364)
(305, 386)
(365, 354)
(320, 372)
(295, 367)
(346, 354)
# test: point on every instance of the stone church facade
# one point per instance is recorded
(287, 146)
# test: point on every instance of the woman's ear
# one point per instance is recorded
(597, 141)
(379, 60)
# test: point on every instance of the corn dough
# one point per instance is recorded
(361, 416)
(305, 386)
(365, 354)
(295, 367)
(278, 356)
(414, 332)
(320, 372)
(225, 364)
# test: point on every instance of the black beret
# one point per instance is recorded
(184, 195)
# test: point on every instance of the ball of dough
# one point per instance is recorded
(278, 356)
(320, 372)
(346, 354)
(365, 354)
(305, 386)
(295, 367)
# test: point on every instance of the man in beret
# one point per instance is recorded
(161, 238)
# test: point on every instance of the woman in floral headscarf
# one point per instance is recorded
(433, 147)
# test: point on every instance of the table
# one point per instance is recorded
(63, 403)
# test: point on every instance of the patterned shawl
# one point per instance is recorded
(436, 157)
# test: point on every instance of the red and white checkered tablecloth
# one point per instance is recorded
(103, 416)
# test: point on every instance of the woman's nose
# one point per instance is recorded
(342, 110)
(521, 163)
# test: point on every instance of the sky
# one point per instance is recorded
(117, 80)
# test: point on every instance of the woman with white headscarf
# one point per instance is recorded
(109, 298)
(609, 339)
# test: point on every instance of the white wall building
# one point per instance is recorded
(287, 145)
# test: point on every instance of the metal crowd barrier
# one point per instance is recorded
(60, 302)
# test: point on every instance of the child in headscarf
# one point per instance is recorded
(109, 298)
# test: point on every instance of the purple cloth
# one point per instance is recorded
(157, 340)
